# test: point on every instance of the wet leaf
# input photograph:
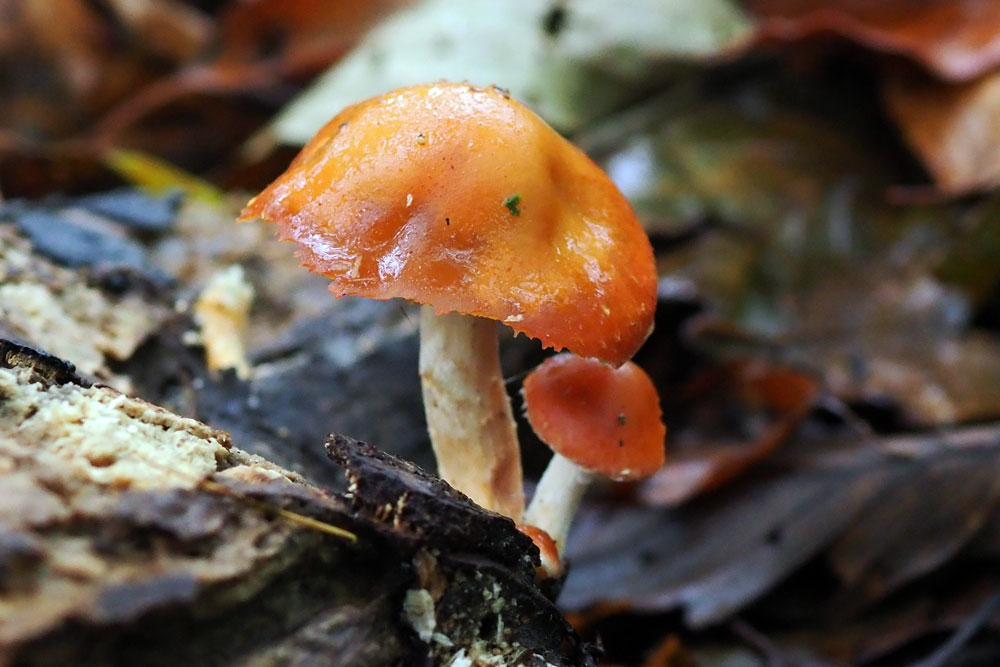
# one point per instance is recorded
(571, 63)
(933, 380)
(886, 546)
(670, 653)
(956, 39)
(713, 557)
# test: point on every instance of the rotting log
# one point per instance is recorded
(132, 536)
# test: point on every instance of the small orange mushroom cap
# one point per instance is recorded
(606, 420)
(462, 198)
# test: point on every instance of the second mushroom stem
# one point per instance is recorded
(557, 498)
(468, 412)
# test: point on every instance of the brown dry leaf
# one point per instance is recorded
(168, 28)
(933, 381)
(65, 63)
(56, 65)
(306, 30)
(216, 80)
(68, 34)
(32, 171)
(164, 77)
(777, 397)
(956, 39)
(261, 44)
(955, 129)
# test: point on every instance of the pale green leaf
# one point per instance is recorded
(570, 67)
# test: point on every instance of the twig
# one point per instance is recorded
(759, 642)
(516, 377)
(840, 409)
(949, 650)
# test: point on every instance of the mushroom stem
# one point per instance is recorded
(557, 498)
(468, 412)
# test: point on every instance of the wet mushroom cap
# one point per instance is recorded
(606, 420)
(462, 198)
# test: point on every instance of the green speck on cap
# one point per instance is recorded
(511, 203)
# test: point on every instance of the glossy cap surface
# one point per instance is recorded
(462, 198)
(606, 420)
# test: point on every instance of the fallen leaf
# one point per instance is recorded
(956, 39)
(29, 170)
(571, 63)
(297, 30)
(57, 56)
(159, 177)
(167, 28)
(885, 547)
(771, 402)
(749, 161)
(890, 633)
(933, 380)
(714, 556)
(954, 128)
(799, 256)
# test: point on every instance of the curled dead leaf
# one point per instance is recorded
(955, 39)
(955, 129)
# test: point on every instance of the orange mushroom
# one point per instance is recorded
(597, 420)
(463, 200)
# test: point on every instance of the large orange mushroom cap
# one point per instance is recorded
(461, 198)
(606, 420)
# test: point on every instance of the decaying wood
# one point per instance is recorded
(132, 536)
